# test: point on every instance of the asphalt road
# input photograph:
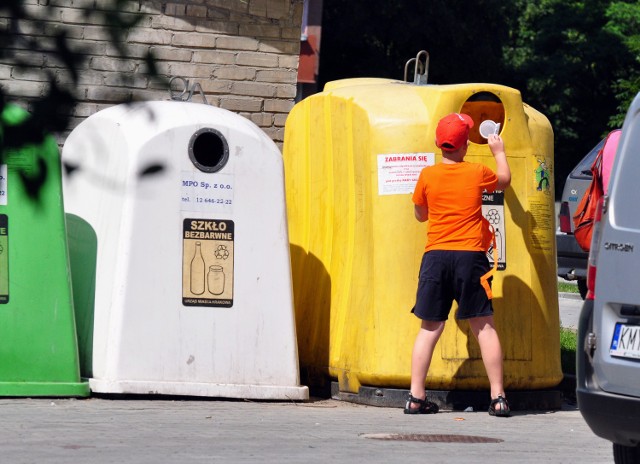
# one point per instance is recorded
(570, 306)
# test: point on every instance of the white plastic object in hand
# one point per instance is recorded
(489, 127)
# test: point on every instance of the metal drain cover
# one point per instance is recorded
(431, 438)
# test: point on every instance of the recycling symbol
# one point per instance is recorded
(493, 216)
(221, 252)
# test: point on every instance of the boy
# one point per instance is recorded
(449, 195)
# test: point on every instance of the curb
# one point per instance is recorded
(569, 296)
(568, 387)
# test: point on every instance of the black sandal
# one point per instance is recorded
(426, 407)
(503, 411)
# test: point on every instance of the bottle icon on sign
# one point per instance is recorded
(197, 271)
(215, 280)
(499, 244)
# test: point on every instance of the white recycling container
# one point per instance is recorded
(189, 280)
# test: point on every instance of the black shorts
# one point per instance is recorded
(452, 275)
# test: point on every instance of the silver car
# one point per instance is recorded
(608, 353)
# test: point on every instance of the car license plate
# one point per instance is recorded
(626, 341)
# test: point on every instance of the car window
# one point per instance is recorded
(583, 169)
(627, 195)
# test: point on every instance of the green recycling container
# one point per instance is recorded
(38, 344)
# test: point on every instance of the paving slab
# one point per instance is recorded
(142, 430)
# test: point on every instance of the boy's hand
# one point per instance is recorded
(502, 165)
(495, 144)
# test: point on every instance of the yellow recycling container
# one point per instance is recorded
(353, 154)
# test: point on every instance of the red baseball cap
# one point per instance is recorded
(453, 131)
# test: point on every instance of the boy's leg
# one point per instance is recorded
(485, 332)
(423, 348)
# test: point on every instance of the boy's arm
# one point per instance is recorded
(421, 212)
(502, 166)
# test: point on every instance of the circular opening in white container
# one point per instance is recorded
(208, 150)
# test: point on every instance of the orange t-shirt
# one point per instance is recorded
(453, 195)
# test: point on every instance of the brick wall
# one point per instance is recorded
(243, 53)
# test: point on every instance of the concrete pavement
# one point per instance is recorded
(143, 430)
(154, 430)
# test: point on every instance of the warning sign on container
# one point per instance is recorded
(398, 173)
(3, 184)
(207, 262)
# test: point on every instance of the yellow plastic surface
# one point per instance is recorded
(356, 253)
